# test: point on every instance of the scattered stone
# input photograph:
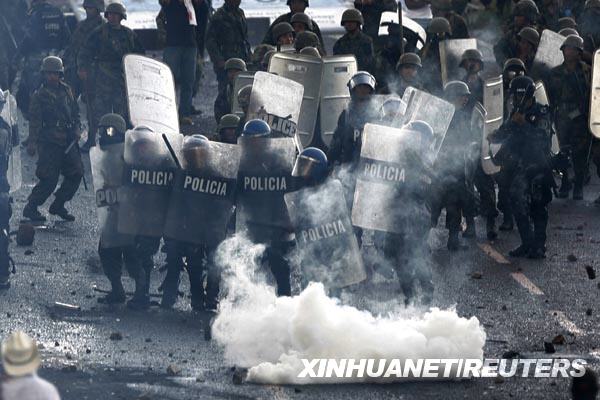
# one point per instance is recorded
(588, 312)
(571, 258)
(476, 275)
(559, 339)
(56, 344)
(173, 370)
(28, 252)
(591, 273)
(48, 270)
(88, 351)
(116, 336)
(148, 340)
(499, 379)
(200, 379)
(297, 390)
(504, 308)
(549, 348)
(68, 356)
(8, 315)
(239, 376)
(41, 346)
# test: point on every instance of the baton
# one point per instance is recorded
(171, 151)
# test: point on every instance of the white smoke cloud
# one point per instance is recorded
(270, 335)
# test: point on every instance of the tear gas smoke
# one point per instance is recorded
(271, 335)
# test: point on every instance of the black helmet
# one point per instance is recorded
(522, 87)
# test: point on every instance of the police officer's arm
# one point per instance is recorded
(335, 149)
(212, 42)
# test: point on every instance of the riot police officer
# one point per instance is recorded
(526, 140)
(311, 168)
(54, 130)
(46, 33)
(569, 94)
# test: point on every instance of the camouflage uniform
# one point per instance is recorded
(102, 56)
(372, 14)
(361, 46)
(287, 17)
(227, 38)
(54, 124)
(570, 96)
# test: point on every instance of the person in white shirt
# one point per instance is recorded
(20, 360)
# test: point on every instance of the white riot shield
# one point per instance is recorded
(328, 249)
(307, 71)
(203, 196)
(493, 102)
(594, 123)
(390, 168)
(243, 79)
(337, 71)
(147, 182)
(411, 28)
(451, 52)
(264, 177)
(422, 106)
(276, 100)
(151, 94)
(542, 97)
(107, 166)
(10, 115)
(548, 54)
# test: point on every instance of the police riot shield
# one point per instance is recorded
(387, 170)
(451, 52)
(10, 115)
(493, 102)
(414, 33)
(276, 100)
(151, 94)
(264, 177)
(307, 71)
(548, 54)
(147, 182)
(473, 150)
(542, 98)
(337, 71)
(107, 166)
(203, 196)
(328, 249)
(594, 123)
(243, 79)
(422, 106)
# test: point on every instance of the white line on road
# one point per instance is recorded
(490, 251)
(566, 323)
(526, 283)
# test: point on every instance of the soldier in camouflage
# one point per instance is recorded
(296, 7)
(224, 100)
(355, 42)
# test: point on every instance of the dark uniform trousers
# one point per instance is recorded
(113, 259)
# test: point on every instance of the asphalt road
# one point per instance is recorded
(521, 304)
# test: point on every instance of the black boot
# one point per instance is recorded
(536, 253)
(490, 226)
(115, 296)
(58, 208)
(31, 212)
(578, 192)
(565, 187)
(507, 223)
(469, 231)
(520, 251)
(170, 290)
(141, 297)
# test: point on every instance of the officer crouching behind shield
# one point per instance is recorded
(525, 155)
(54, 130)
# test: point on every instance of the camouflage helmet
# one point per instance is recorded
(303, 19)
(574, 41)
(409, 59)
(352, 15)
(113, 120)
(526, 8)
(52, 64)
(289, 2)
(362, 78)
(530, 35)
(514, 63)
(568, 31)
(228, 121)
(282, 28)
(116, 8)
(260, 51)
(471, 54)
(439, 25)
(267, 57)
(235, 63)
(591, 4)
(97, 4)
(455, 89)
(310, 51)
(566, 22)
(243, 96)
(306, 39)
(442, 5)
